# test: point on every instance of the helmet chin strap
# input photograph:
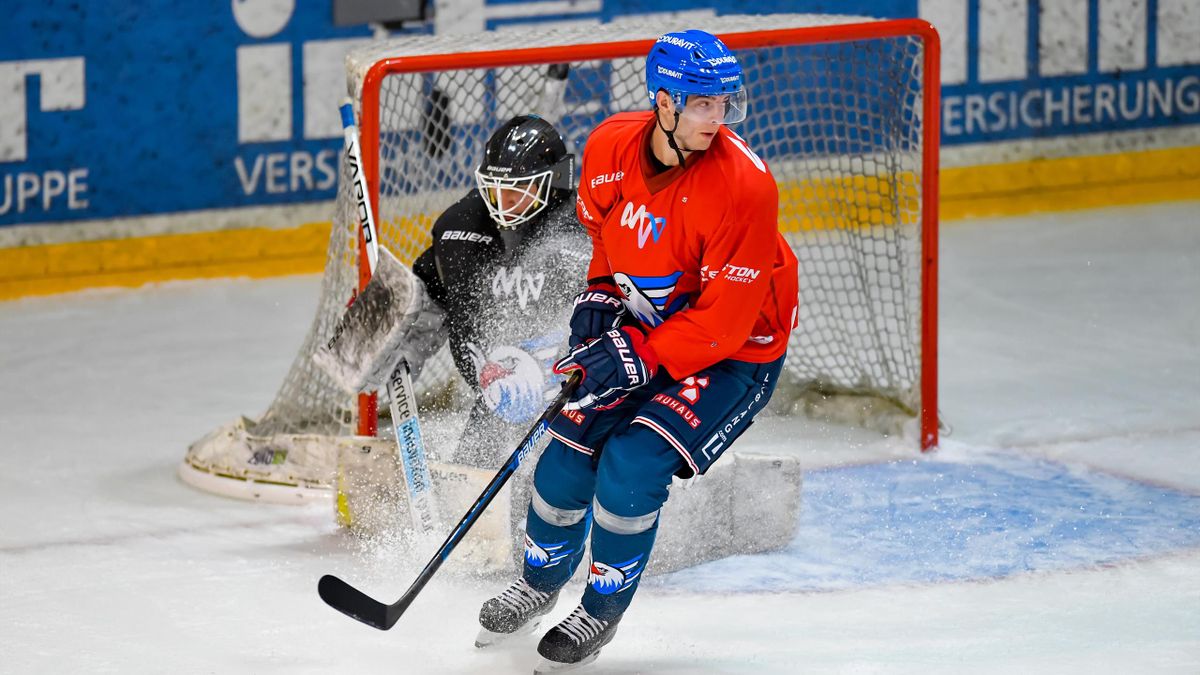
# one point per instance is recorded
(671, 135)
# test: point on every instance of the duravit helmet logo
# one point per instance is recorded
(676, 41)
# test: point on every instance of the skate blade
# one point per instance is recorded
(487, 638)
(547, 666)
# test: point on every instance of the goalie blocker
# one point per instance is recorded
(393, 318)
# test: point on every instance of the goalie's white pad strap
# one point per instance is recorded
(393, 318)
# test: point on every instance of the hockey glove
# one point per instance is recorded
(597, 310)
(613, 364)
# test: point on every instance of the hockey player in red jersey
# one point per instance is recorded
(680, 336)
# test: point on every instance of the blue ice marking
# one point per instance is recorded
(931, 521)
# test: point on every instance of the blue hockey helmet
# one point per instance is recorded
(696, 63)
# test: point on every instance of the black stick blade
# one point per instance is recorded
(354, 603)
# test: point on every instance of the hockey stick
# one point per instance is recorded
(357, 605)
(401, 398)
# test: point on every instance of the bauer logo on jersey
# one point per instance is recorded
(460, 235)
(651, 299)
(609, 579)
(645, 223)
(545, 555)
(607, 178)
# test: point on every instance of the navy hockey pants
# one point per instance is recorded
(612, 468)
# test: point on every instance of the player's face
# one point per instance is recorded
(514, 201)
(699, 121)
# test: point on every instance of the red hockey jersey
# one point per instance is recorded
(695, 253)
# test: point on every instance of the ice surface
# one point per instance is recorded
(1057, 530)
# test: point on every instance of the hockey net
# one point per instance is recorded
(844, 111)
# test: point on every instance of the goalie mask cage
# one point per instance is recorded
(844, 110)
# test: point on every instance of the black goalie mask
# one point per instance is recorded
(523, 161)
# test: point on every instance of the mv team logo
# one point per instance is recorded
(647, 225)
(514, 282)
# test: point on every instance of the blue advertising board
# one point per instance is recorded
(115, 109)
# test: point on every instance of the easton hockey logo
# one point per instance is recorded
(609, 579)
(514, 282)
(735, 273)
(739, 274)
(647, 225)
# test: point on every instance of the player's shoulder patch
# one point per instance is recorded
(467, 221)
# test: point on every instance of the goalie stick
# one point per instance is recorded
(357, 605)
(401, 397)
